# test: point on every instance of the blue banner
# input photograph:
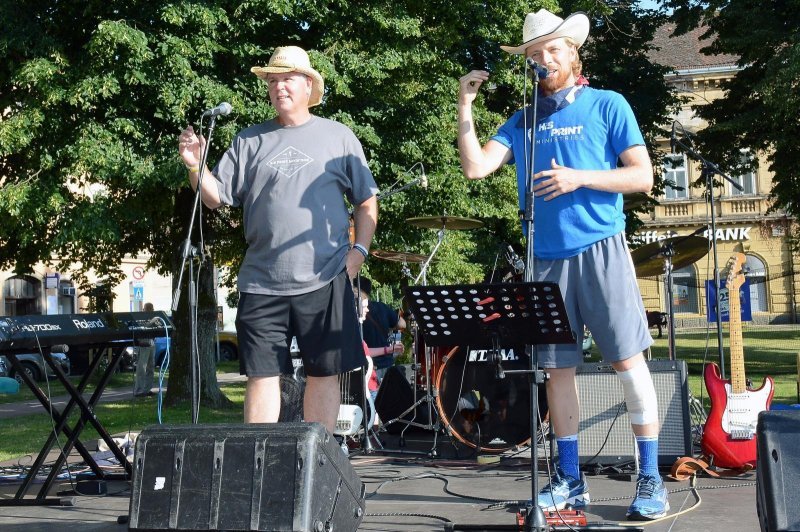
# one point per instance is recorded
(724, 301)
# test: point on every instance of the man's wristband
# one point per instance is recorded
(385, 352)
(361, 249)
(193, 168)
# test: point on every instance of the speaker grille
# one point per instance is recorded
(604, 434)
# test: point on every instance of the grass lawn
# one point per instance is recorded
(771, 350)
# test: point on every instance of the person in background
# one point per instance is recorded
(145, 362)
(589, 151)
(291, 175)
(379, 325)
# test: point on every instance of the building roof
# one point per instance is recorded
(683, 52)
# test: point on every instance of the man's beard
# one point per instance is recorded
(555, 83)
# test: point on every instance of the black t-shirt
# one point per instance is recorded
(381, 319)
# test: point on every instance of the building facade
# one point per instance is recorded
(744, 220)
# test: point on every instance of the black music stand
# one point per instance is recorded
(491, 315)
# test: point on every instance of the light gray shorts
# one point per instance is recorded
(600, 291)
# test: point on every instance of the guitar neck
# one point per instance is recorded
(738, 381)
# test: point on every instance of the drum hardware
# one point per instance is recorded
(663, 257)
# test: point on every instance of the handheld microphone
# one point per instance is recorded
(223, 109)
(423, 180)
(535, 68)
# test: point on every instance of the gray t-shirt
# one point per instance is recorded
(291, 182)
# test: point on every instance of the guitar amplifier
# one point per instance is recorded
(281, 476)
(778, 470)
(604, 431)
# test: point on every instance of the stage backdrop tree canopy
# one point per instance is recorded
(94, 94)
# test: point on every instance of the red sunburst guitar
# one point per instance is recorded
(729, 435)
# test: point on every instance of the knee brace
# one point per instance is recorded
(640, 394)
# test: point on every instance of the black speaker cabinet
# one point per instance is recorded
(605, 436)
(278, 477)
(778, 470)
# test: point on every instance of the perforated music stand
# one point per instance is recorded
(488, 315)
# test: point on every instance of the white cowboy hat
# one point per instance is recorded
(543, 26)
(293, 59)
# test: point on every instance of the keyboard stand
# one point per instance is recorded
(60, 420)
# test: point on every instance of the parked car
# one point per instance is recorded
(35, 366)
(228, 347)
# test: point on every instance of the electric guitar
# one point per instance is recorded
(729, 435)
(351, 414)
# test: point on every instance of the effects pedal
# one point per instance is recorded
(559, 519)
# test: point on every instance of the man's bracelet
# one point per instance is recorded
(193, 168)
(385, 352)
(361, 249)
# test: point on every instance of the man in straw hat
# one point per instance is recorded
(290, 175)
(579, 241)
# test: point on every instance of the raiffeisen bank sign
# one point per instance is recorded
(727, 234)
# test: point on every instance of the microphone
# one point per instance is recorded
(223, 109)
(540, 71)
(423, 180)
(514, 260)
(672, 139)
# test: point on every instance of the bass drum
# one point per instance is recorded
(480, 410)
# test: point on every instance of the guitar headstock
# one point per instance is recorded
(735, 271)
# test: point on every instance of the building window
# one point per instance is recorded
(22, 295)
(747, 180)
(684, 291)
(66, 297)
(676, 177)
(756, 274)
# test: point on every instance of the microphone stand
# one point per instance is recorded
(189, 250)
(708, 171)
(416, 181)
(534, 517)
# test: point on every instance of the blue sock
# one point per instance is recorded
(568, 455)
(648, 455)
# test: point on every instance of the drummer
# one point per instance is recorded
(379, 324)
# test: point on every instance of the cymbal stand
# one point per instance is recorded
(431, 392)
(668, 252)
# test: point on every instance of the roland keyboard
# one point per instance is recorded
(29, 332)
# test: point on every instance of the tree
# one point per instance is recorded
(96, 104)
(760, 109)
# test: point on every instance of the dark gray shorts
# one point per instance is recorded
(600, 291)
(324, 322)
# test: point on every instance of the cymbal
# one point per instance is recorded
(649, 259)
(399, 256)
(634, 200)
(446, 222)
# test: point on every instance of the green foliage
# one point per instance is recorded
(762, 102)
(94, 95)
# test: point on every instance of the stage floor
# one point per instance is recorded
(416, 492)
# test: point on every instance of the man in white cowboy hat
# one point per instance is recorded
(291, 175)
(579, 242)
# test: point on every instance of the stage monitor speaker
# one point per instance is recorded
(604, 434)
(280, 476)
(395, 396)
(778, 470)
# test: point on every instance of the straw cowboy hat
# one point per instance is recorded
(544, 26)
(293, 59)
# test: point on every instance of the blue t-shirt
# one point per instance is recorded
(588, 134)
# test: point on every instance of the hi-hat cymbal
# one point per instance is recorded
(399, 256)
(634, 200)
(446, 222)
(649, 259)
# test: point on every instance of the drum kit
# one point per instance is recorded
(455, 383)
